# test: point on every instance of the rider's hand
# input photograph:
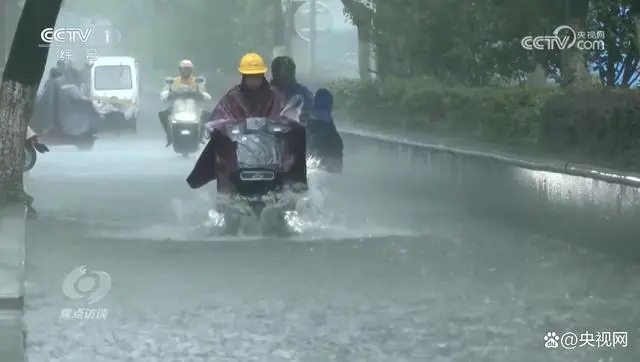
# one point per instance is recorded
(164, 95)
(206, 96)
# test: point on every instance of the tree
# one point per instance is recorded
(472, 42)
(20, 79)
(574, 63)
(617, 63)
(362, 15)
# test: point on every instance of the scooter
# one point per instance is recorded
(31, 149)
(185, 122)
(268, 173)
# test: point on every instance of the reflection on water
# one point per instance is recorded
(580, 191)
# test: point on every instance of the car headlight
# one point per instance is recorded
(185, 118)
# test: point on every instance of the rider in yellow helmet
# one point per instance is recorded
(253, 97)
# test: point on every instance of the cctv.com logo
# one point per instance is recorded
(564, 37)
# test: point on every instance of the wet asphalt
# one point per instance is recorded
(383, 270)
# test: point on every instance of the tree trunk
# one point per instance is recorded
(636, 23)
(364, 52)
(362, 18)
(573, 60)
(384, 60)
(20, 79)
(634, 11)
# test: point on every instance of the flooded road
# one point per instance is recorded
(384, 270)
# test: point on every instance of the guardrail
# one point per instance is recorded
(589, 207)
(12, 283)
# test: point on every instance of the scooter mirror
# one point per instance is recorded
(168, 80)
(200, 80)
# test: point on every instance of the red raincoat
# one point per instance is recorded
(234, 106)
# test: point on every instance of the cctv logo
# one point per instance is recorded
(91, 286)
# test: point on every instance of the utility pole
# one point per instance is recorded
(313, 34)
(279, 28)
(290, 22)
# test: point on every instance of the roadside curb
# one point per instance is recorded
(586, 207)
(13, 220)
(562, 167)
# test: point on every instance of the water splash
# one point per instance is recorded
(309, 209)
(196, 218)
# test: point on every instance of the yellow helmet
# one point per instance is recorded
(252, 64)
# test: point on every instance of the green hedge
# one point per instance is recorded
(595, 125)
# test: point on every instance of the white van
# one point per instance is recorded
(115, 90)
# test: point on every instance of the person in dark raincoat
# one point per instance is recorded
(323, 139)
(85, 74)
(70, 73)
(283, 72)
(44, 118)
(62, 114)
(61, 66)
(254, 97)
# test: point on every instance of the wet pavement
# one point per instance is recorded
(385, 270)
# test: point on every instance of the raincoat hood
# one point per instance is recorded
(323, 105)
(323, 100)
(283, 69)
(240, 103)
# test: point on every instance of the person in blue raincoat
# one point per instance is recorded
(323, 139)
(283, 72)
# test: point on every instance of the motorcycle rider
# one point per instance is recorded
(71, 74)
(283, 72)
(61, 66)
(253, 97)
(85, 75)
(323, 139)
(186, 78)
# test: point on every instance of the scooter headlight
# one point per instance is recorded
(185, 118)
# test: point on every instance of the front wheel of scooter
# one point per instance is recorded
(257, 209)
(30, 157)
(86, 145)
